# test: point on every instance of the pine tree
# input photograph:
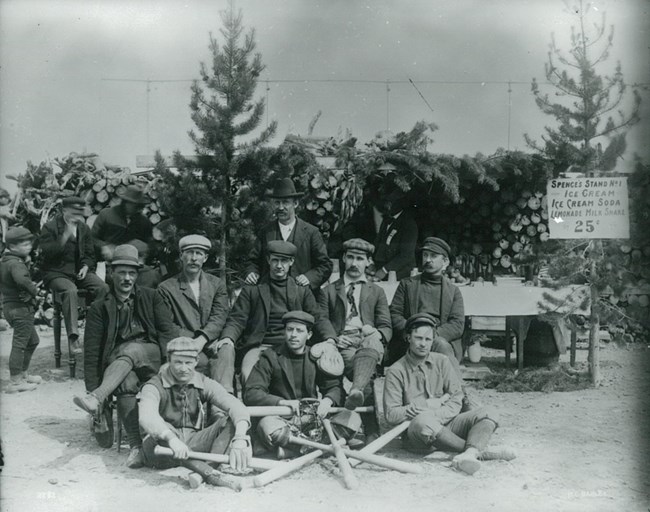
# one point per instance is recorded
(202, 196)
(587, 105)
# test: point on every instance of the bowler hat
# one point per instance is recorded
(284, 189)
(194, 242)
(133, 194)
(125, 255)
(74, 203)
(421, 319)
(18, 235)
(298, 316)
(282, 248)
(183, 345)
(436, 246)
(359, 245)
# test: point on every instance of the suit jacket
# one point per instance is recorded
(101, 330)
(249, 317)
(52, 249)
(311, 259)
(395, 249)
(271, 380)
(452, 311)
(373, 307)
(111, 227)
(206, 317)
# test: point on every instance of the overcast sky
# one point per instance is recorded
(57, 58)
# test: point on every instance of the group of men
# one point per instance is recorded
(169, 355)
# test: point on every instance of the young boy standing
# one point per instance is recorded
(18, 294)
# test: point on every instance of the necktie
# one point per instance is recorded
(353, 306)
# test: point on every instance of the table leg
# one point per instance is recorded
(574, 340)
(508, 344)
(520, 344)
(56, 327)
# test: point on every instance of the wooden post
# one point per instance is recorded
(594, 319)
(574, 339)
(508, 342)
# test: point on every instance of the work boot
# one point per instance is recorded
(466, 462)
(75, 344)
(18, 385)
(355, 399)
(88, 403)
(498, 453)
(135, 459)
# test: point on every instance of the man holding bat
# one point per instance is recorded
(172, 412)
(424, 388)
(287, 374)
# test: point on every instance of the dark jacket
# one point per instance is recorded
(16, 283)
(148, 276)
(373, 307)
(101, 330)
(52, 248)
(395, 248)
(249, 317)
(208, 316)
(111, 227)
(271, 380)
(452, 311)
(311, 259)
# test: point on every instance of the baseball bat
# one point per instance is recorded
(382, 441)
(285, 410)
(378, 460)
(349, 478)
(255, 463)
(286, 468)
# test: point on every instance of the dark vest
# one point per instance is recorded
(180, 406)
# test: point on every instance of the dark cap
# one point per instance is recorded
(125, 255)
(298, 316)
(133, 194)
(359, 245)
(282, 248)
(74, 203)
(18, 235)
(436, 246)
(420, 319)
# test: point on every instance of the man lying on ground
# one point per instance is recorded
(424, 388)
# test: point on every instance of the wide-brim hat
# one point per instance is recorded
(125, 255)
(284, 189)
(133, 194)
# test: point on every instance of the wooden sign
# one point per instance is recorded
(588, 208)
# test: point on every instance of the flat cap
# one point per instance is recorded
(125, 255)
(298, 316)
(282, 248)
(18, 234)
(359, 245)
(74, 203)
(194, 242)
(184, 346)
(420, 319)
(436, 246)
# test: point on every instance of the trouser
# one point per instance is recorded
(250, 358)
(425, 428)
(25, 338)
(213, 439)
(66, 288)
(220, 367)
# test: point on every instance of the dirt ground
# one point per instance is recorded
(581, 450)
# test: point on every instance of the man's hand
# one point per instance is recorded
(294, 404)
(324, 407)
(252, 278)
(240, 453)
(436, 403)
(345, 341)
(213, 347)
(302, 280)
(179, 448)
(371, 335)
(81, 275)
(412, 410)
(380, 274)
(107, 252)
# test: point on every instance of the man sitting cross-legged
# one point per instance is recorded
(286, 375)
(424, 388)
(125, 342)
(358, 312)
(199, 305)
(173, 413)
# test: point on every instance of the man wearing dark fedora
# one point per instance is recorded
(433, 293)
(312, 266)
(125, 342)
(358, 312)
(122, 223)
(68, 262)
